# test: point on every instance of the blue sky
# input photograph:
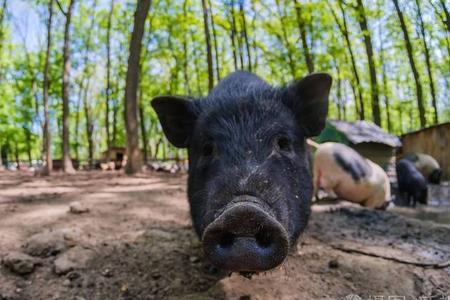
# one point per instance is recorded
(24, 15)
(27, 21)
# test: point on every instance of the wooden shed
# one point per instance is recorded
(434, 141)
(368, 139)
(117, 154)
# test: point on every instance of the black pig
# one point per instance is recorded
(411, 183)
(249, 185)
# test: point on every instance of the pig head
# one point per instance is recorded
(249, 185)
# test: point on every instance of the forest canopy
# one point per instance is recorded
(70, 68)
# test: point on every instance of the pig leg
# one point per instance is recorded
(324, 184)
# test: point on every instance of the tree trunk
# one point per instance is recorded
(238, 36)
(245, 32)
(343, 28)
(48, 164)
(447, 15)
(173, 81)
(28, 141)
(158, 143)
(66, 161)
(339, 91)
(2, 31)
(386, 93)
(89, 126)
(2, 17)
(132, 82)
(187, 88)
(233, 34)
(216, 48)
(108, 81)
(254, 46)
(86, 104)
(16, 155)
(143, 129)
(285, 41)
(428, 62)
(385, 88)
(362, 20)
(77, 120)
(115, 113)
(208, 46)
(423, 121)
(196, 67)
(302, 29)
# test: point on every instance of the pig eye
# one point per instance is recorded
(208, 149)
(283, 143)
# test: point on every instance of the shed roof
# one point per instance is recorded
(363, 132)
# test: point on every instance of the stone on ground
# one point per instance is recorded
(74, 258)
(19, 263)
(77, 207)
(52, 242)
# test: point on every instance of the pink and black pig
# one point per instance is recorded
(426, 165)
(341, 171)
(249, 184)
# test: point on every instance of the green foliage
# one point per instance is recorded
(173, 61)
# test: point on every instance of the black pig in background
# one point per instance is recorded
(250, 184)
(411, 183)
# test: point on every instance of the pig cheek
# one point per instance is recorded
(293, 186)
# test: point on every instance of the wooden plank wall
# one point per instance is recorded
(434, 141)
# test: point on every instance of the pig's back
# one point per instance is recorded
(343, 170)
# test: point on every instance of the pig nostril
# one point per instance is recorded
(263, 239)
(226, 240)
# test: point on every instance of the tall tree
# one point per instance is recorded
(77, 118)
(427, 61)
(87, 76)
(285, 39)
(208, 45)
(145, 57)
(2, 18)
(47, 145)
(245, 33)
(232, 31)
(216, 48)
(302, 30)
(254, 45)
(357, 86)
(134, 162)
(237, 36)
(363, 24)
(108, 80)
(2, 37)
(66, 161)
(412, 62)
(386, 92)
(187, 88)
(447, 14)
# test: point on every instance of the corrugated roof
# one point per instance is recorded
(363, 132)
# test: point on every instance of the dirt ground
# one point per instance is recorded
(136, 242)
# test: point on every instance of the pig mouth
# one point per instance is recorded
(245, 238)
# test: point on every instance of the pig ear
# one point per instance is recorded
(177, 118)
(308, 98)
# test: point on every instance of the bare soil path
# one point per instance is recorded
(135, 241)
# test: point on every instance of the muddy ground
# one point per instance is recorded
(131, 238)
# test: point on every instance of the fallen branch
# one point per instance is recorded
(433, 265)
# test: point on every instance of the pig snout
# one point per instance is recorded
(244, 238)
